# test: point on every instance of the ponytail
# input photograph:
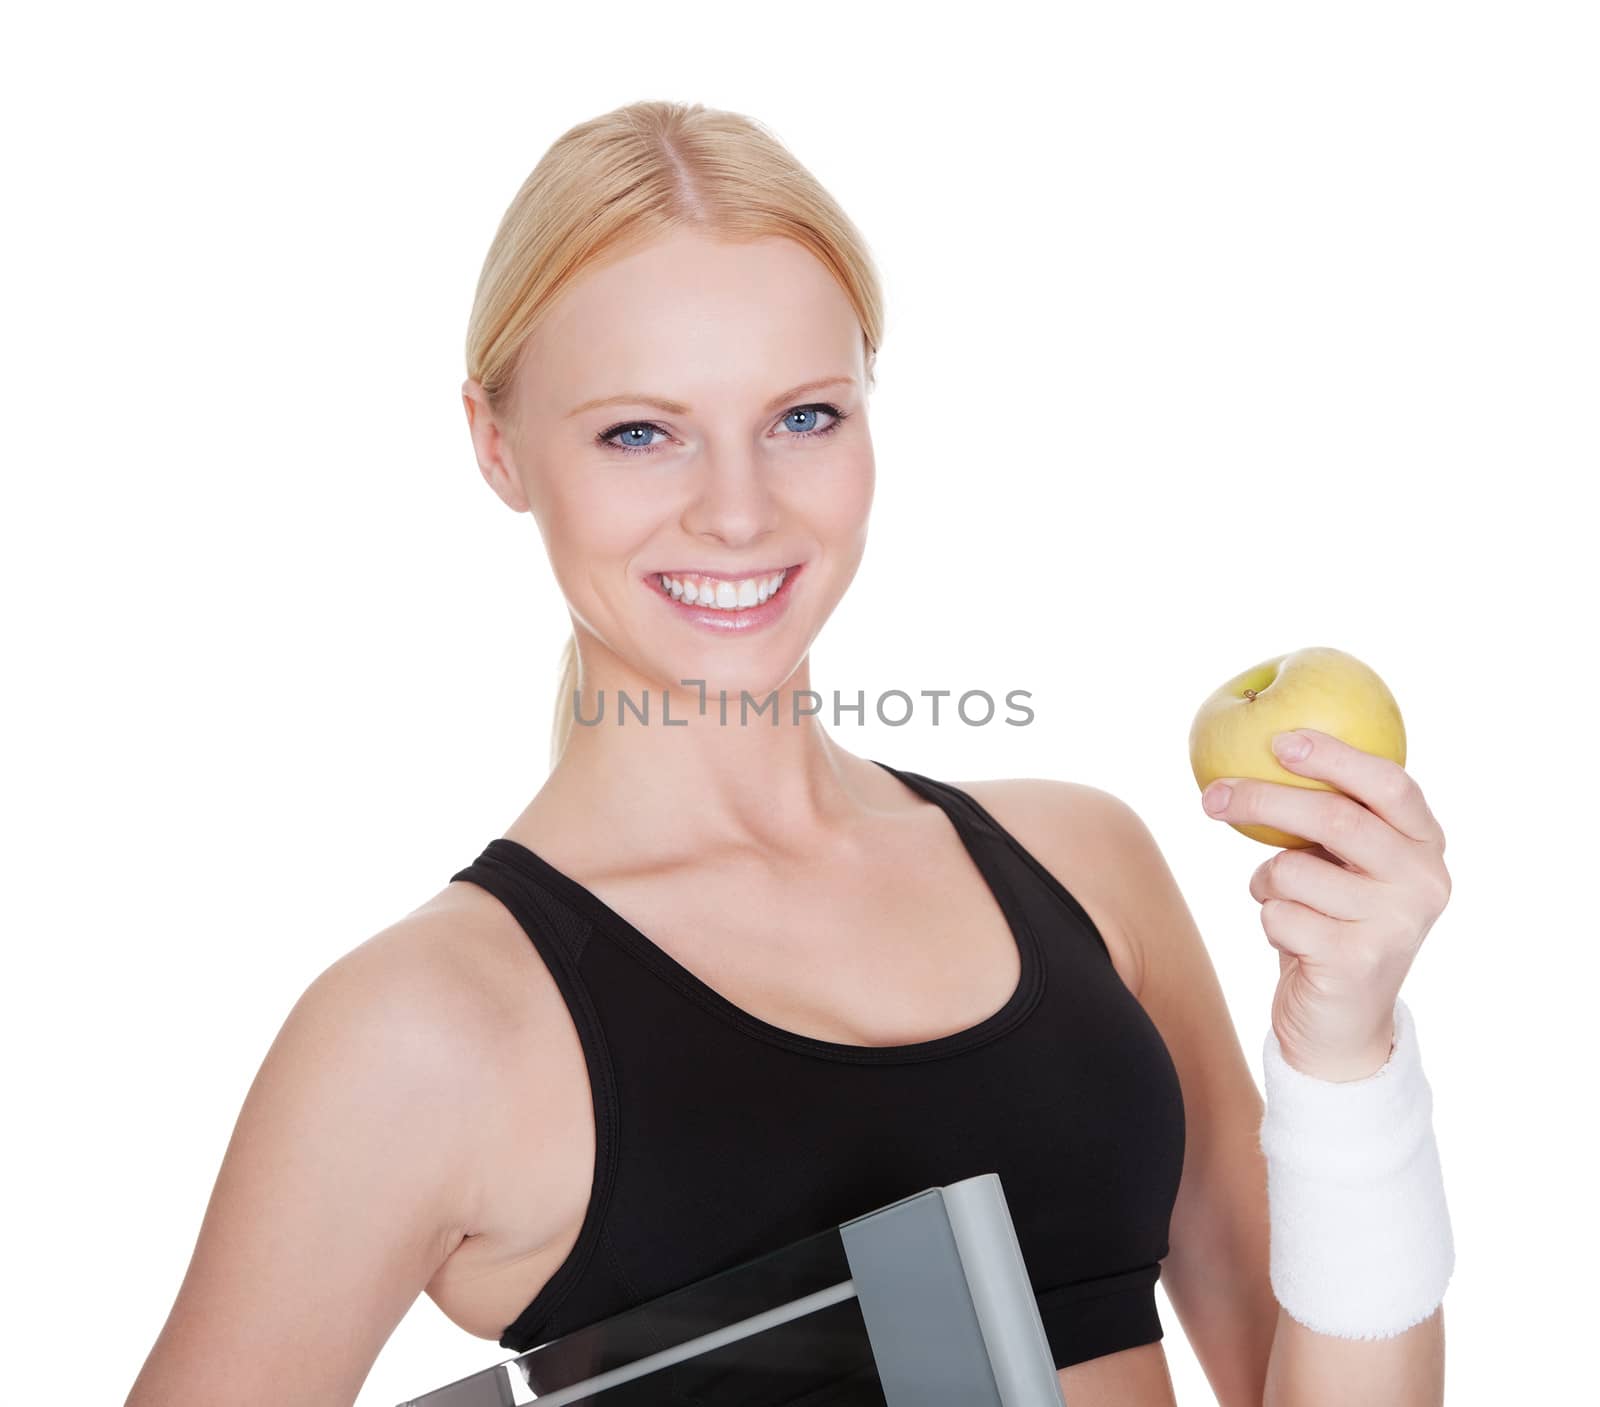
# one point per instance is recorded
(561, 729)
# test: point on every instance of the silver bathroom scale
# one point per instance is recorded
(923, 1303)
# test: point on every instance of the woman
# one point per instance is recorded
(723, 983)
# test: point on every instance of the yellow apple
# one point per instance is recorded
(1317, 687)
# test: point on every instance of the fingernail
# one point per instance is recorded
(1215, 797)
(1291, 747)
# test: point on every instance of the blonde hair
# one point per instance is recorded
(613, 183)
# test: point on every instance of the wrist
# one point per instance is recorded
(1355, 1067)
(1345, 1067)
(1360, 1239)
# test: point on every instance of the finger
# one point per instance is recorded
(1321, 884)
(1380, 784)
(1317, 812)
(1322, 853)
(1301, 933)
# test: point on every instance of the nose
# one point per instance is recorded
(731, 498)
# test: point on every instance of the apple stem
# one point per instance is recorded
(1250, 693)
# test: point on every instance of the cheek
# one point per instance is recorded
(587, 520)
(839, 501)
(589, 533)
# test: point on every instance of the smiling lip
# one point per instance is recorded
(733, 621)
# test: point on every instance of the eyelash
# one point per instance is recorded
(839, 417)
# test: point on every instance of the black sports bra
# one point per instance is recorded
(720, 1137)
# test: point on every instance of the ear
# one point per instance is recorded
(491, 446)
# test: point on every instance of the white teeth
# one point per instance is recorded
(721, 595)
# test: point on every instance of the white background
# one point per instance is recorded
(1213, 332)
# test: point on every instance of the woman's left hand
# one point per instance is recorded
(1347, 913)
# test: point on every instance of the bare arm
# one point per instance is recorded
(1307, 1369)
(347, 1182)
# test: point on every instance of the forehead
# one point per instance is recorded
(687, 314)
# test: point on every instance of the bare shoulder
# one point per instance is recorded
(429, 971)
(353, 1172)
(501, 1010)
(444, 1013)
(1089, 840)
(465, 954)
(459, 973)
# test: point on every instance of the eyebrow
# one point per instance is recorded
(679, 408)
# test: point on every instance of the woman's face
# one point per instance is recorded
(749, 470)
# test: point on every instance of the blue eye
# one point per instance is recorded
(645, 426)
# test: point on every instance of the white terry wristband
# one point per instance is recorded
(1360, 1242)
